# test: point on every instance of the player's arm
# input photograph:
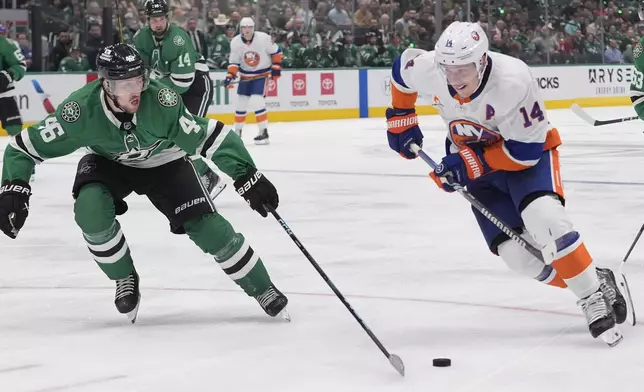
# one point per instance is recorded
(15, 64)
(402, 121)
(637, 86)
(213, 140)
(276, 58)
(33, 145)
(182, 56)
(234, 61)
(48, 139)
(524, 129)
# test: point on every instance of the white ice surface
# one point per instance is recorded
(408, 257)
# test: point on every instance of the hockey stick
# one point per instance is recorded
(624, 282)
(578, 110)
(394, 359)
(545, 255)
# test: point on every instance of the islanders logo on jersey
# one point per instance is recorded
(251, 58)
(466, 132)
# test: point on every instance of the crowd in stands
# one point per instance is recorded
(354, 33)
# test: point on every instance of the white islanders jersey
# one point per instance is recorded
(255, 58)
(505, 115)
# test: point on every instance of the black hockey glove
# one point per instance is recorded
(257, 191)
(5, 80)
(14, 206)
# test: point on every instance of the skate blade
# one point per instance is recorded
(285, 315)
(261, 142)
(612, 337)
(216, 191)
(625, 289)
(133, 313)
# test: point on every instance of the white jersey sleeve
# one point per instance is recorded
(522, 123)
(404, 71)
(235, 56)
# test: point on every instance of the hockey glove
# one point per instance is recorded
(5, 81)
(229, 79)
(14, 206)
(402, 130)
(460, 168)
(257, 191)
(276, 72)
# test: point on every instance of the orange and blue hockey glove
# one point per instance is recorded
(402, 130)
(462, 168)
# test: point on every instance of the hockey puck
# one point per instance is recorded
(442, 362)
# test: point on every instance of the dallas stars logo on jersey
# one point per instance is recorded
(134, 151)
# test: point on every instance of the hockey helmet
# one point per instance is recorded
(247, 22)
(640, 10)
(247, 27)
(156, 8)
(462, 43)
(123, 68)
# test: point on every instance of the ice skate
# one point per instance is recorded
(274, 303)
(599, 316)
(213, 183)
(128, 297)
(614, 298)
(262, 137)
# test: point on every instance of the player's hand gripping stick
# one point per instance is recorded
(545, 254)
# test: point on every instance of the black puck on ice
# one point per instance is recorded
(442, 362)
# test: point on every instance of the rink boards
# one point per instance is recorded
(307, 95)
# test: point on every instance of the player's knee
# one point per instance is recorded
(211, 232)
(242, 103)
(546, 219)
(94, 208)
(518, 260)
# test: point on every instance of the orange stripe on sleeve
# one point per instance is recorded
(277, 58)
(402, 100)
(553, 139)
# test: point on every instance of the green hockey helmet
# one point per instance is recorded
(156, 8)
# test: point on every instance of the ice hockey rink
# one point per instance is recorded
(408, 257)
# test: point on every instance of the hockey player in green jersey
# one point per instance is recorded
(139, 137)
(170, 53)
(75, 62)
(12, 69)
(637, 86)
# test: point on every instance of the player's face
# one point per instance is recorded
(463, 78)
(128, 92)
(247, 32)
(158, 24)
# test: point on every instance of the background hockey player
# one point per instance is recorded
(168, 51)
(501, 146)
(256, 58)
(146, 154)
(12, 68)
(637, 86)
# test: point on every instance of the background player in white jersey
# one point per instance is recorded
(501, 146)
(254, 55)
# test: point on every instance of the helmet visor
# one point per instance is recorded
(458, 75)
(128, 86)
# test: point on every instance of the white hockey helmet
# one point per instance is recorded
(247, 22)
(462, 43)
(640, 10)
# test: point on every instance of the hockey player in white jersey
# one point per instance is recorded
(501, 146)
(256, 58)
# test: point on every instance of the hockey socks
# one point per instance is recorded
(215, 236)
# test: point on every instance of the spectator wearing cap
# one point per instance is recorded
(75, 62)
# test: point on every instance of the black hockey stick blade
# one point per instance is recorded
(394, 359)
(579, 111)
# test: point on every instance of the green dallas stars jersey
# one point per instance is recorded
(637, 85)
(11, 61)
(161, 131)
(173, 59)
